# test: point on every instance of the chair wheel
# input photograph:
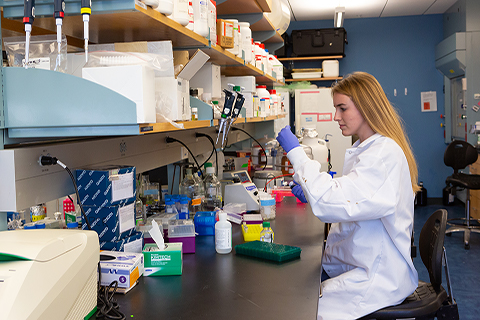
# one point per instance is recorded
(467, 246)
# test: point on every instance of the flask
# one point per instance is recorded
(223, 234)
(213, 189)
(266, 235)
(191, 189)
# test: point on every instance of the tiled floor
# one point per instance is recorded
(464, 265)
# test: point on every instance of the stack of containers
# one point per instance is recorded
(108, 197)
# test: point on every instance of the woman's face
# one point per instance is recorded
(349, 118)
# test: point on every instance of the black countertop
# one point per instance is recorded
(215, 286)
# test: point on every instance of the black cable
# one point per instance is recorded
(198, 134)
(259, 157)
(170, 140)
(107, 307)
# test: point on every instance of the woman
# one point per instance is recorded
(367, 254)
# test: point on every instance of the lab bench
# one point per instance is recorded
(215, 286)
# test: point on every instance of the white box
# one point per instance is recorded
(135, 82)
(330, 68)
(173, 93)
(124, 267)
(208, 78)
(248, 82)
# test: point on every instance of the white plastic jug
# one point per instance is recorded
(319, 147)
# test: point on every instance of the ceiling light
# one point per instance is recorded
(339, 14)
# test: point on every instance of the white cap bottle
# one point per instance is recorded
(223, 234)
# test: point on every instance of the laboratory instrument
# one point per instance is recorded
(266, 235)
(226, 112)
(223, 234)
(241, 174)
(48, 274)
(28, 17)
(239, 100)
(242, 192)
(272, 177)
(86, 11)
(58, 14)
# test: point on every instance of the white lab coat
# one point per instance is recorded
(367, 254)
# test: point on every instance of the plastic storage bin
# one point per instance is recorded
(205, 223)
(182, 231)
(268, 251)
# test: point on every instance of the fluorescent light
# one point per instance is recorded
(339, 14)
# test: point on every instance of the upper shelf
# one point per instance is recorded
(310, 58)
(242, 6)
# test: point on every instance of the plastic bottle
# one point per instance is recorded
(201, 188)
(190, 188)
(263, 93)
(240, 43)
(246, 40)
(212, 21)
(165, 7)
(273, 102)
(234, 50)
(213, 189)
(318, 147)
(180, 12)
(190, 16)
(140, 211)
(266, 235)
(200, 17)
(184, 212)
(223, 234)
(277, 67)
(170, 207)
(194, 114)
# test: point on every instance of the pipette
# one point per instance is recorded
(86, 11)
(58, 13)
(237, 108)
(226, 112)
(28, 17)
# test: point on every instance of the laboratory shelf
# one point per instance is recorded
(242, 6)
(166, 126)
(314, 79)
(310, 58)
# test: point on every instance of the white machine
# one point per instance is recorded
(243, 190)
(48, 274)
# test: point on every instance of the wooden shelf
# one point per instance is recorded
(314, 79)
(310, 58)
(238, 7)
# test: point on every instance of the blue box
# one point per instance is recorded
(106, 185)
(111, 223)
(204, 223)
(134, 243)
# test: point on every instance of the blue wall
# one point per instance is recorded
(400, 53)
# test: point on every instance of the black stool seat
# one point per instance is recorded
(469, 181)
(423, 302)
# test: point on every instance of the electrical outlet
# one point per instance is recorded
(476, 96)
(183, 153)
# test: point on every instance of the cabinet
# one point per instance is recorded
(86, 142)
(293, 59)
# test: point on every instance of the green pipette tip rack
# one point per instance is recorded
(268, 251)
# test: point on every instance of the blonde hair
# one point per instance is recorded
(370, 99)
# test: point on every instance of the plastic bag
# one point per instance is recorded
(43, 53)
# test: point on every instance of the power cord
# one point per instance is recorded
(199, 134)
(48, 161)
(248, 134)
(170, 140)
(107, 307)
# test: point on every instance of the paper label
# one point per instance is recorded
(223, 238)
(126, 217)
(123, 187)
(134, 246)
(196, 201)
(38, 63)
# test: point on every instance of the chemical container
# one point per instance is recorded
(318, 146)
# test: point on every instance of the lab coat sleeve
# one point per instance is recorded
(364, 193)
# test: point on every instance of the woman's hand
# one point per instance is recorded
(287, 139)
(298, 192)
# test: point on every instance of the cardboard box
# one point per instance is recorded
(112, 223)
(208, 78)
(168, 262)
(106, 185)
(134, 243)
(123, 267)
(225, 33)
(173, 93)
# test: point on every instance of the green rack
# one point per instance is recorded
(268, 251)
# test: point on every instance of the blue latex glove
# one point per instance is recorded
(287, 139)
(298, 192)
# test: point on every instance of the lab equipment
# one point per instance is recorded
(182, 231)
(54, 270)
(205, 223)
(268, 251)
(272, 177)
(245, 192)
(191, 189)
(267, 207)
(287, 139)
(213, 189)
(318, 146)
(86, 11)
(251, 232)
(241, 174)
(184, 211)
(226, 112)
(266, 235)
(223, 234)
(239, 100)
(58, 13)
(28, 17)
(170, 207)
(125, 268)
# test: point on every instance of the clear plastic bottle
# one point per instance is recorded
(191, 189)
(223, 234)
(213, 189)
(140, 211)
(266, 235)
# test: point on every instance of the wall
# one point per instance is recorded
(400, 53)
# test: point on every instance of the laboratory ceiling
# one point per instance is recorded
(325, 9)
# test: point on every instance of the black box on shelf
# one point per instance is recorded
(318, 42)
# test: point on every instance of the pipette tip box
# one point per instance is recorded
(182, 231)
(268, 251)
(168, 262)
